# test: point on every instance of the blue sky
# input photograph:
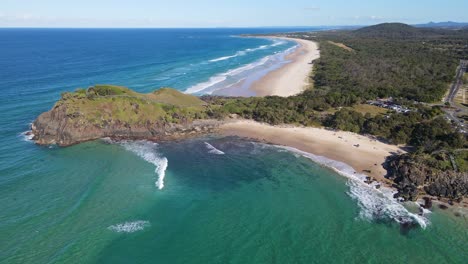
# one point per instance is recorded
(224, 13)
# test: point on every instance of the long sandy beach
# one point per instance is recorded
(362, 153)
(292, 78)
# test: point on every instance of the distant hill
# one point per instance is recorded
(447, 25)
(404, 32)
(390, 30)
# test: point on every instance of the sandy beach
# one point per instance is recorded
(337, 145)
(293, 78)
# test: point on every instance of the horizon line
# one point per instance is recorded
(229, 27)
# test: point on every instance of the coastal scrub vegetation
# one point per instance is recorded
(105, 104)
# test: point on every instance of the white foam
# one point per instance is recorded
(27, 136)
(224, 58)
(223, 76)
(243, 52)
(213, 150)
(203, 85)
(374, 203)
(277, 43)
(148, 151)
(129, 227)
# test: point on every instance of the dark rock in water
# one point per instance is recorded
(450, 202)
(443, 206)
(457, 214)
(368, 180)
(405, 227)
(377, 186)
(427, 202)
(421, 211)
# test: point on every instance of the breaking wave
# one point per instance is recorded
(148, 151)
(244, 52)
(213, 150)
(27, 136)
(226, 57)
(375, 204)
(129, 227)
(224, 76)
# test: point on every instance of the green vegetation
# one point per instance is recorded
(102, 104)
(388, 60)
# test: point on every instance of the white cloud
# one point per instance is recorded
(376, 17)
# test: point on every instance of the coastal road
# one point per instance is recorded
(457, 83)
(454, 108)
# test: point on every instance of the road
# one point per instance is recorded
(454, 108)
(457, 83)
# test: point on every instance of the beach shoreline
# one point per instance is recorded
(365, 155)
(292, 78)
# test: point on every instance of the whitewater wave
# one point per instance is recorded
(27, 136)
(213, 150)
(129, 227)
(225, 57)
(375, 204)
(278, 42)
(224, 76)
(244, 52)
(148, 151)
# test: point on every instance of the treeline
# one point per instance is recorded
(306, 108)
(423, 129)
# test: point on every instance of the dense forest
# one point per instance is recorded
(415, 66)
(390, 60)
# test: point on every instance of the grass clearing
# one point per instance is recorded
(341, 45)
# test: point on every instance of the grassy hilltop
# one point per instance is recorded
(101, 104)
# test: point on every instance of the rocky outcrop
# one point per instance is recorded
(415, 174)
(58, 127)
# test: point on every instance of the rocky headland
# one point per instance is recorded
(120, 113)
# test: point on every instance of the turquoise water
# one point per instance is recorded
(209, 200)
(254, 204)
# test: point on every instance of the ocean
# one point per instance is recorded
(205, 200)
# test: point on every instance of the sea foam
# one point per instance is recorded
(148, 151)
(27, 136)
(129, 227)
(213, 150)
(244, 52)
(375, 204)
(223, 76)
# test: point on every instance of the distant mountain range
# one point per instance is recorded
(448, 24)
